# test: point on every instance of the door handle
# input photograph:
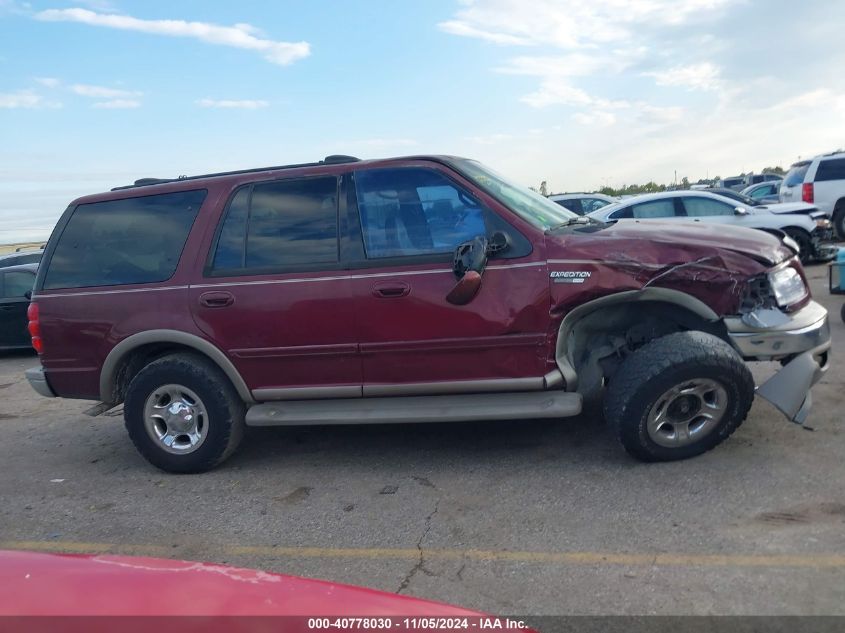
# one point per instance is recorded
(391, 290)
(216, 299)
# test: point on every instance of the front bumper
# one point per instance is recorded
(823, 249)
(803, 340)
(38, 381)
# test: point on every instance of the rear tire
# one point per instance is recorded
(678, 396)
(805, 244)
(183, 414)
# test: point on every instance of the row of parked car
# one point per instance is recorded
(808, 205)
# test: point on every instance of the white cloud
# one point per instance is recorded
(702, 76)
(241, 36)
(25, 100)
(570, 23)
(600, 38)
(118, 104)
(48, 82)
(598, 118)
(102, 92)
(243, 104)
(458, 27)
(20, 99)
(557, 92)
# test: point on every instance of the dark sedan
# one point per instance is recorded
(15, 289)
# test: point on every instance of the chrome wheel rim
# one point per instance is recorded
(175, 419)
(687, 412)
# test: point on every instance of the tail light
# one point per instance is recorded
(34, 327)
(807, 193)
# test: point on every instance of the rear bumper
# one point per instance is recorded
(804, 339)
(38, 381)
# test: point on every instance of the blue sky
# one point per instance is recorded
(96, 93)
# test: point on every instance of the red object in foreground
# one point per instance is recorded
(39, 584)
(807, 192)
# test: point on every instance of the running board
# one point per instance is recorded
(452, 408)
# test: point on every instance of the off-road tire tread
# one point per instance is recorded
(224, 407)
(675, 353)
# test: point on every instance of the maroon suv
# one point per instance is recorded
(409, 290)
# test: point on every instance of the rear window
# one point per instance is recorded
(130, 241)
(795, 176)
(831, 170)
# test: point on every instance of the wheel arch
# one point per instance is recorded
(135, 351)
(679, 304)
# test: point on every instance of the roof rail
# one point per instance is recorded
(334, 159)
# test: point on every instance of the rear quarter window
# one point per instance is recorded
(795, 176)
(831, 170)
(129, 241)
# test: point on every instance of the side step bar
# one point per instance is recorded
(451, 408)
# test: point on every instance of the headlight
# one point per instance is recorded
(787, 286)
(823, 223)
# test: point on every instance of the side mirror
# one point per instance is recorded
(740, 211)
(466, 289)
(468, 265)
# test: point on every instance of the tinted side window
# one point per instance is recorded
(593, 204)
(17, 283)
(831, 170)
(621, 214)
(654, 209)
(131, 241)
(795, 176)
(231, 243)
(415, 211)
(700, 207)
(573, 205)
(278, 225)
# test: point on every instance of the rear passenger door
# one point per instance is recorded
(14, 286)
(273, 297)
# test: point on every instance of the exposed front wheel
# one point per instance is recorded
(678, 396)
(805, 244)
(182, 414)
(839, 223)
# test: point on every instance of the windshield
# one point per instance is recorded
(795, 176)
(529, 205)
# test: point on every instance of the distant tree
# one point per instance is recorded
(544, 189)
(684, 183)
(774, 170)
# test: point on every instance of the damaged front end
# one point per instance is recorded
(797, 336)
(749, 289)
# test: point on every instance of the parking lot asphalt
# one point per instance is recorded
(523, 517)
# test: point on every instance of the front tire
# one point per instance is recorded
(678, 396)
(183, 414)
(805, 244)
(839, 223)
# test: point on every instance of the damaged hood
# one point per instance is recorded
(710, 262)
(790, 207)
(662, 242)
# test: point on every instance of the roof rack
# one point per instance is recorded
(334, 159)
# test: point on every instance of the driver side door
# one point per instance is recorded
(408, 222)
